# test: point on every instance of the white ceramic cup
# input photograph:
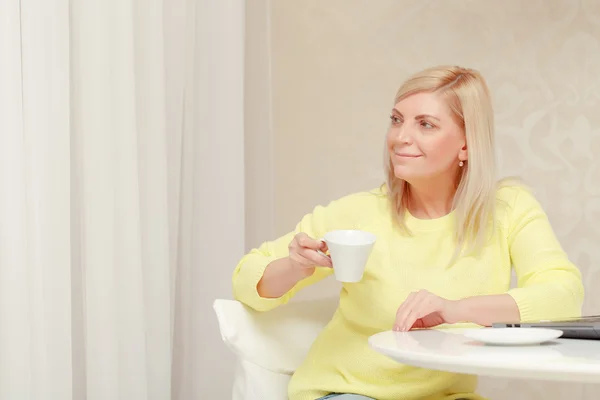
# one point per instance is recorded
(349, 251)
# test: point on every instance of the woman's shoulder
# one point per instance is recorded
(511, 188)
(514, 197)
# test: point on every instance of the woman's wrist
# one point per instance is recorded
(486, 310)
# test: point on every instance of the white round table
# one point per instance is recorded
(571, 360)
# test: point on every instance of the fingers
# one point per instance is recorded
(307, 249)
(307, 242)
(420, 309)
(301, 261)
(417, 305)
(316, 258)
(404, 310)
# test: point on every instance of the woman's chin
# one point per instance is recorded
(403, 172)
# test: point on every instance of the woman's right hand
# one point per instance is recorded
(304, 253)
(282, 274)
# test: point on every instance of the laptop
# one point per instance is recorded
(586, 327)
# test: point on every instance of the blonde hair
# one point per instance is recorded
(468, 98)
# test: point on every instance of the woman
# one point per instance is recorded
(447, 235)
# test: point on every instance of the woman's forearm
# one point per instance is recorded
(486, 310)
(279, 277)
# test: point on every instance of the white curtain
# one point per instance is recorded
(121, 176)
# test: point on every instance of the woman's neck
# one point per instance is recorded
(430, 201)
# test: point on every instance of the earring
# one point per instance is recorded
(461, 163)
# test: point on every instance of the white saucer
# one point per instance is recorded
(513, 336)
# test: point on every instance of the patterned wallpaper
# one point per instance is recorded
(337, 64)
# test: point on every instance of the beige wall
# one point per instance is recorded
(329, 70)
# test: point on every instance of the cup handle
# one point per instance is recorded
(319, 251)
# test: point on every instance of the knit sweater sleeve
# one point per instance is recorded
(339, 214)
(549, 285)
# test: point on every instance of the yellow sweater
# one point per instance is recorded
(340, 360)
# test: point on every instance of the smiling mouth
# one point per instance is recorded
(407, 155)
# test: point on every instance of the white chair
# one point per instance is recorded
(269, 346)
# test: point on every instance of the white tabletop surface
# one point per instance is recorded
(570, 360)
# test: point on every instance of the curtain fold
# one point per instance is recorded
(119, 81)
(35, 300)
(15, 302)
(115, 118)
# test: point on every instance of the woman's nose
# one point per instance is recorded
(402, 134)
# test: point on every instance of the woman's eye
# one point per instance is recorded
(395, 119)
(426, 125)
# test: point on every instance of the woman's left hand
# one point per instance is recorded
(424, 309)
